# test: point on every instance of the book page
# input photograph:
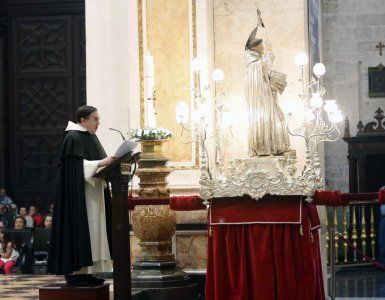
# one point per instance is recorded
(126, 147)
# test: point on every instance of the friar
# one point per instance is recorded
(81, 230)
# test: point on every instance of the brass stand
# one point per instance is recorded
(156, 269)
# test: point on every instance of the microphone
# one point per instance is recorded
(119, 132)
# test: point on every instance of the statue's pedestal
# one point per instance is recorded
(155, 269)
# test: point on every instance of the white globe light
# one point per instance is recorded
(301, 59)
(319, 69)
(197, 65)
(288, 107)
(330, 106)
(316, 101)
(228, 119)
(218, 75)
(310, 116)
(336, 117)
(182, 111)
(203, 113)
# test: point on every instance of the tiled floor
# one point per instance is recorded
(23, 287)
(351, 283)
(360, 283)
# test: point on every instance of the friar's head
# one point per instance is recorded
(88, 117)
(254, 43)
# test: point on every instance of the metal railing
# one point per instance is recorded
(357, 224)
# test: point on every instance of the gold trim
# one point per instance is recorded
(141, 60)
(141, 72)
(195, 53)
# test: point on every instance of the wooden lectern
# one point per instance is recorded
(118, 173)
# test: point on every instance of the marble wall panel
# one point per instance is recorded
(191, 251)
(168, 40)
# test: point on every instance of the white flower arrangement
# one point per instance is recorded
(150, 134)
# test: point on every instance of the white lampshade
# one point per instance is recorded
(288, 107)
(181, 111)
(336, 117)
(228, 119)
(203, 112)
(301, 59)
(330, 106)
(218, 75)
(310, 116)
(316, 101)
(196, 65)
(319, 69)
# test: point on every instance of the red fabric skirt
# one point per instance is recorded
(265, 261)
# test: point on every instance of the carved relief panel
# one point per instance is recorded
(47, 84)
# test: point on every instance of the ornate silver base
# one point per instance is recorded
(258, 176)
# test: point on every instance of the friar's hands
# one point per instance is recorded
(106, 161)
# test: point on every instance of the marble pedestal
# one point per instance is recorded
(155, 269)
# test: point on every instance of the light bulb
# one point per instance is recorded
(301, 59)
(218, 75)
(228, 119)
(181, 111)
(319, 69)
(316, 101)
(310, 116)
(288, 107)
(336, 117)
(203, 112)
(330, 106)
(197, 65)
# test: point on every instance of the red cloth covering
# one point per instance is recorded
(186, 203)
(331, 198)
(265, 261)
(335, 198)
(246, 210)
(381, 196)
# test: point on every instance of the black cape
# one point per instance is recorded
(70, 246)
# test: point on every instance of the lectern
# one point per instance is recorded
(118, 173)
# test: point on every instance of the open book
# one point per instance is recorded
(126, 147)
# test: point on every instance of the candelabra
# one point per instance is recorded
(319, 121)
(206, 126)
(264, 175)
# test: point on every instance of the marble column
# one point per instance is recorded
(112, 66)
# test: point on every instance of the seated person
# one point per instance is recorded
(4, 199)
(8, 252)
(37, 218)
(50, 209)
(47, 221)
(20, 223)
(24, 213)
(5, 216)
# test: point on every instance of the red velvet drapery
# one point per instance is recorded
(265, 261)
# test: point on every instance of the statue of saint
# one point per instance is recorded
(267, 127)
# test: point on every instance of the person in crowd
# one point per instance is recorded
(4, 199)
(20, 223)
(24, 213)
(37, 218)
(13, 207)
(47, 221)
(8, 252)
(6, 216)
(50, 209)
(381, 236)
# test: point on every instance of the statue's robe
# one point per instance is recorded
(81, 227)
(267, 128)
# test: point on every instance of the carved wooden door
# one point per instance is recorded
(46, 44)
